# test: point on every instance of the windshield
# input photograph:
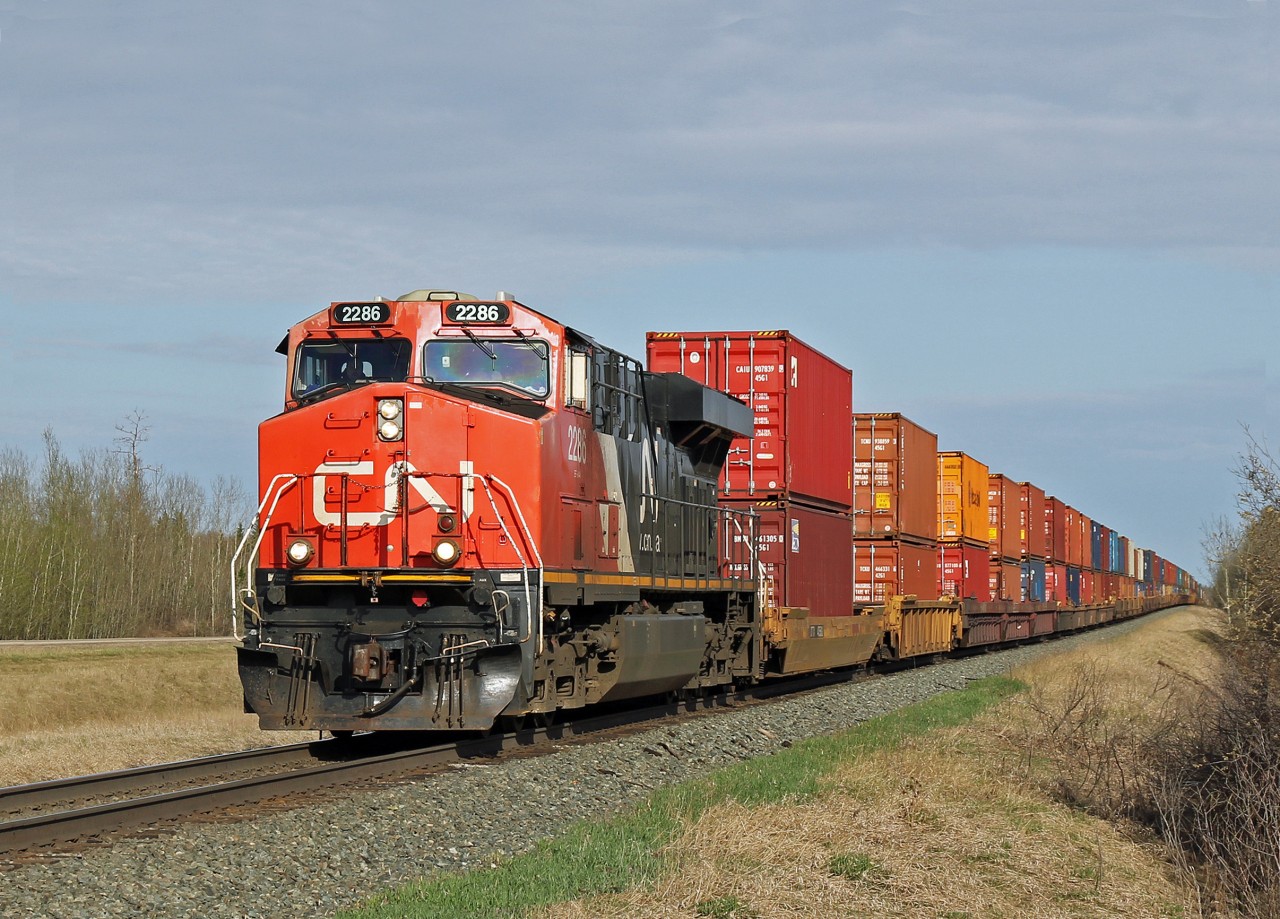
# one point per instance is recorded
(520, 366)
(330, 364)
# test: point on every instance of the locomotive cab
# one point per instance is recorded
(469, 511)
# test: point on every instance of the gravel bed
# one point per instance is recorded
(317, 860)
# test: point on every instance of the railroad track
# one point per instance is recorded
(50, 818)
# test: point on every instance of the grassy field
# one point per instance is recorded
(75, 709)
(953, 808)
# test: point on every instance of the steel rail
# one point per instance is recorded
(43, 831)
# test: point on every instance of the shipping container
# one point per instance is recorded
(1097, 539)
(1085, 526)
(1088, 592)
(1034, 581)
(1055, 582)
(1148, 567)
(1004, 505)
(1073, 585)
(801, 400)
(806, 553)
(1075, 548)
(962, 497)
(1034, 542)
(1004, 579)
(1115, 554)
(962, 571)
(883, 568)
(895, 478)
(1055, 530)
(1109, 589)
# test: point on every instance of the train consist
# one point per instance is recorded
(472, 514)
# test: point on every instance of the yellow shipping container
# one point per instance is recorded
(962, 497)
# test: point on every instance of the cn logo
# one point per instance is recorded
(390, 482)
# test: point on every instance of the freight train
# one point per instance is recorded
(472, 514)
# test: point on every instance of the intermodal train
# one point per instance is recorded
(472, 514)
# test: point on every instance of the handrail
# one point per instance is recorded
(261, 524)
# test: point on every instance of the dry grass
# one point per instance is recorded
(73, 710)
(959, 823)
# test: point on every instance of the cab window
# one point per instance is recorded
(516, 366)
(335, 364)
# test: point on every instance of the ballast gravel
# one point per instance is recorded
(319, 859)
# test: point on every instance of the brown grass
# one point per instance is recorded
(959, 823)
(78, 709)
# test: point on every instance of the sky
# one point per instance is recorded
(1047, 231)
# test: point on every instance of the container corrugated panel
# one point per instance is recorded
(1055, 582)
(1004, 503)
(1004, 579)
(1115, 553)
(1110, 587)
(807, 553)
(962, 571)
(802, 401)
(962, 497)
(1097, 536)
(1075, 548)
(895, 477)
(1055, 530)
(1034, 588)
(1148, 566)
(1033, 535)
(883, 568)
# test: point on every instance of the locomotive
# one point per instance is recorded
(471, 512)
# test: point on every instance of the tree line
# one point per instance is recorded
(103, 545)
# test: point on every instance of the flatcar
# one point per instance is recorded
(472, 514)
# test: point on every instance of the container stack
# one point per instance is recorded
(1033, 543)
(963, 527)
(793, 473)
(1055, 535)
(895, 518)
(1004, 505)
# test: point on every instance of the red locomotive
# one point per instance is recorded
(471, 511)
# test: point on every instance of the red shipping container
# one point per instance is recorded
(806, 553)
(1088, 592)
(1031, 523)
(962, 571)
(883, 568)
(1055, 530)
(1110, 587)
(895, 470)
(1004, 501)
(1055, 583)
(802, 401)
(1004, 579)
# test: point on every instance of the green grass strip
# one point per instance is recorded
(595, 857)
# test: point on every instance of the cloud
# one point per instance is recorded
(159, 146)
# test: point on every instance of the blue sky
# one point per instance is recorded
(1046, 231)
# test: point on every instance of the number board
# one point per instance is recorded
(471, 312)
(360, 314)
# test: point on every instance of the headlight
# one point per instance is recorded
(300, 552)
(389, 430)
(446, 552)
(389, 408)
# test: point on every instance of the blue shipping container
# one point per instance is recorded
(1073, 586)
(1117, 563)
(1149, 566)
(1033, 581)
(1095, 544)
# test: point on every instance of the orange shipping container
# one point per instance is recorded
(894, 477)
(1084, 542)
(1004, 501)
(883, 568)
(962, 497)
